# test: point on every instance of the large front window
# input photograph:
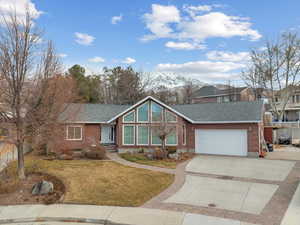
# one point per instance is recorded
(156, 112)
(74, 133)
(172, 137)
(143, 135)
(143, 125)
(128, 135)
(143, 113)
(155, 140)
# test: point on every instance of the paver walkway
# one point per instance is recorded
(29, 214)
(117, 158)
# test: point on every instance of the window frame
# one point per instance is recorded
(176, 138)
(74, 139)
(151, 141)
(174, 121)
(123, 135)
(132, 111)
(162, 113)
(184, 134)
(137, 113)
(137, 135)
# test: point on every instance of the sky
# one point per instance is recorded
(202, 39)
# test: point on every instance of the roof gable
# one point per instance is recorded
(155, 100)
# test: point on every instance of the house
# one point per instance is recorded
(292, 108)
(227, 94)
(233, 128)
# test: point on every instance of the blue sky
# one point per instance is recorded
(207, 40)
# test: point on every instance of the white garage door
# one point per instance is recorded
(221, 141)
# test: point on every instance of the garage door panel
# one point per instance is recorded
(221, 141)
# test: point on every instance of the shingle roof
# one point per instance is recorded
(213, 91)
(97, 113)
(222, 112)
(204, 112)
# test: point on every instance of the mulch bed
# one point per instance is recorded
(182, 157)
(15, 192)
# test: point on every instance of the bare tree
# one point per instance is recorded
(31, 95)
(276, 69)
(163, 130)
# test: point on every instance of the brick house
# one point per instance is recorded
(230, 94)
(212, 128)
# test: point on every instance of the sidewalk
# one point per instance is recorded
(292, 215)
(104, 215)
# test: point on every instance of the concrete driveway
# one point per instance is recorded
(244, 185)
(234, 195)
(271, 170)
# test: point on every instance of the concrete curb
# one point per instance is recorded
(104, 215)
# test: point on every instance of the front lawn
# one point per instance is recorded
(142, 159)
(100, 182)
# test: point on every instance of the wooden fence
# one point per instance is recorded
(8, 153)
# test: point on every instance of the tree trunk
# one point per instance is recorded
(21, 170)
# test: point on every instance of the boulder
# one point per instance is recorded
(42, 188)
(174, 156)
(65, 157)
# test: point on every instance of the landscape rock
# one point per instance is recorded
(42, 188)
(65, 157)
(174, 156)
(150, 156)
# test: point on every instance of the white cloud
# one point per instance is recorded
(84, 39)
(116, 19)
(129, 60)
(159, 19)
(184, 45)
(96, 59)
(166, 22)
(7, 7)
(228, 56)
(206, 71)
(62, 55)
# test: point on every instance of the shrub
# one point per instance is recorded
(159, 154)
(171, 149)
(98, 152)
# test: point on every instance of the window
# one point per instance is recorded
(74, 133)
(172, 137)
(143, 112)
(170, 117)
(129, 117)
(226, 99)
(156, 112)
(128, 135)
(155, 140)
(183, 135)
(143, 135)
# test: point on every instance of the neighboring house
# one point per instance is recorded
(212, 128)
(229, 94)
(292, 109)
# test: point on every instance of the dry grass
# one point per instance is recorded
(142, 159)
(101, 182)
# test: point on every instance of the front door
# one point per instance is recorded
(108, 134)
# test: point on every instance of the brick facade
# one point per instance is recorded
(91, 134)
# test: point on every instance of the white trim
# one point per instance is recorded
(137, 135)
(184, 131)
(133, 111)
(134, 135)
(74, 139)
(155, 100)
(218, 122)
(137, 113)
(176, 135)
